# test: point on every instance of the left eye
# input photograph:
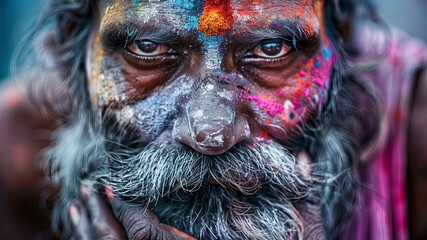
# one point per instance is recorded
(147, 48)
(272, 48)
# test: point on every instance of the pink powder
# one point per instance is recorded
(270, 107)
(319, 82)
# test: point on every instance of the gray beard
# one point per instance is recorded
(260, 190)
(249, 192)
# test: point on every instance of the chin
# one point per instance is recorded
(255, 190)
(252, 191)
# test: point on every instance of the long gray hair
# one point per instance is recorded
(83, 154)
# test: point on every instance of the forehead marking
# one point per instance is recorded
(216, 17)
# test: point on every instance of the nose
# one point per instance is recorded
(210, 122)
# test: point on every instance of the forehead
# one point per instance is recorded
(212, 17)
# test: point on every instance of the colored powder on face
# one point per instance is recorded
(270, 107)
(317, 63)
(295, 101)
(191, 9)
(217, 72)
(137, 4)
(213, 55)
(306, 92)
(216, 18)
(327, 53)
(263, 135)
(138, 8)
(294, 42)
(319, 82)
(113, 15)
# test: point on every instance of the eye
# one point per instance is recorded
(271, 48)
(147, 48)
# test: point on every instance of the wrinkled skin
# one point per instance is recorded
(241, 72)
(137, 84)
(218, 89)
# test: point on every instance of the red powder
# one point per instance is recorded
(264, 135)
(216, 17)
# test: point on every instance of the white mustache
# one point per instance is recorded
(158, 172)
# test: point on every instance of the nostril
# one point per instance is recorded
(200, 137)
(212, 121)
(210, 139)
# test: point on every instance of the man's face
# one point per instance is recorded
(212, 75)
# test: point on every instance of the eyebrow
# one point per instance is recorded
(290, 30)
(114, 35)
(287, 29)
(305, 41)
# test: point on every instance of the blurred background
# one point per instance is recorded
(17, 16)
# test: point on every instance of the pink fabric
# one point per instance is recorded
(380, 212)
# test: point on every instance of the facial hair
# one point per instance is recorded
(253, 191)
(248, 192)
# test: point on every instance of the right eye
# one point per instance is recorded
(147, 48)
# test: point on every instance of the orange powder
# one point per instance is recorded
(216, 17)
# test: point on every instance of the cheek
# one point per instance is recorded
(105, 79)
(110, 86)
(301, 95)
(312, 83)
(157, 112)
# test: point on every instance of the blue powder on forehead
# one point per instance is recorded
(191, 9)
